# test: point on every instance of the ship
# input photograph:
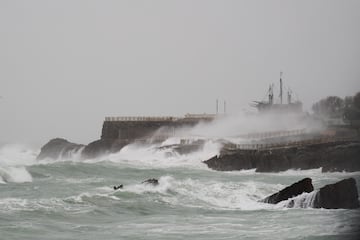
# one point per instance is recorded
(281, 107)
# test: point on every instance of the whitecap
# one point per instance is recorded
(14, 174)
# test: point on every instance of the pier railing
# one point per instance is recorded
(139, 119)
(263, 146)
(187, 117)
(273, 134)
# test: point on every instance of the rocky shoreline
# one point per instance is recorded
(62, 148)
(331, 157)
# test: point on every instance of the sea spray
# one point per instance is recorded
(13, 161)
(14, 174)
(17, 155)
(304, 200)
(198, 194)
(154, 156)
(72, 155)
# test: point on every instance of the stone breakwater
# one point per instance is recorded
(331, 157)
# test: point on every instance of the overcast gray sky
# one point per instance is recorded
(65, 65)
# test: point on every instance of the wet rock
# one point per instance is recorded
(118, 187)
(58, 148)
(343, 158)
(102, 146)
(336, 156)
(342, 194)
(183, 149)
(304, 185)
(152, 181)
(97, 148)
(233, 160)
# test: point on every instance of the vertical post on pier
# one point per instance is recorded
(217, 106)
(224, 107)
(281, 89)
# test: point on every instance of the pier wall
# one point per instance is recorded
(137, 128)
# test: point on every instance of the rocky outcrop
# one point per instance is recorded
(152, 181)
(58, 148)
(101, 147)
(61, 148)
(233, 160)
(97, 148)
(329, 156)
(304, 185)
(343, 158)
(183, 148)
(342, 194)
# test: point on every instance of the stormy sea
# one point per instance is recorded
(74, 198)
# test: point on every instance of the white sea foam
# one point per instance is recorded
(81, 180)
(71, 156)
(14, 174)
(154, 156)
(198, 194)
(304, 200)
(220, 195)
(17, 155)
(43, 204)
(13, 162)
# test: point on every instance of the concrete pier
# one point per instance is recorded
(130, 128)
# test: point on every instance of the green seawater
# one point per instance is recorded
(75, 199)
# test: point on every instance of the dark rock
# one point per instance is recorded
(97, 148)
(342, 194)
(101, 147)
(152, 181)
(183, 149)
(304, 185)
(58, 148)
(117, 145)
(336, 156)
(273, 161)
(118, 187)
(233, 160)
(343, 158)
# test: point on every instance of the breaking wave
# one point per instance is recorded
(304, 200)
(156, 156)
(13, 162)
(196, 194)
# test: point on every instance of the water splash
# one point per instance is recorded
(13, 162)
(304, 200)
(153, 156)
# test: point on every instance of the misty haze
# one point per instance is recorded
(179, 119)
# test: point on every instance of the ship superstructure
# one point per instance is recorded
(270, 105)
